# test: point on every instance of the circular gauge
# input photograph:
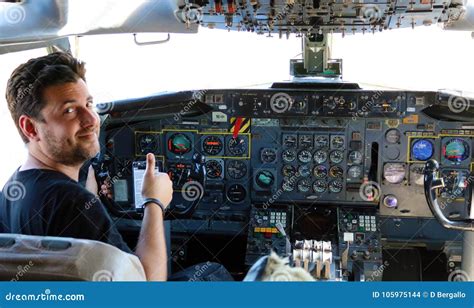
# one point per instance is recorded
(304, 171)
(212, 145)
(394, 173)
(147, 144)
(320, 156)
(320, 171)
(320, 186)
(288, 156)
(265, 179)
(417, 175)
(236, 193)
(337, 142)
(306, 141)
(288, 186)
(355, 157)
(213, 169)
(289, 141)
(321, 142)
(336, 156)
(304, 186)
(305, 156)
(354, 172)
(268, 155)
(422, 149)
(335, 186)
(288, 170)
(179, 144)
(336, 172)
(392, 136)
(236, 169)
(179, 174)
(456, 150)
(237, 146)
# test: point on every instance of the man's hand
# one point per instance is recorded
(158, 186)
(106, 188)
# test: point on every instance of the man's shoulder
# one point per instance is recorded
(50, 186)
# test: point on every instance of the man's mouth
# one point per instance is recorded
(88, 135)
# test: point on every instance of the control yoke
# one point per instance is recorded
(433, 182)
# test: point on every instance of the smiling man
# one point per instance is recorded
(53, 111)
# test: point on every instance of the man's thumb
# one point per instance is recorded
(150, 163)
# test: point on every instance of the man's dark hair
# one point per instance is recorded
(28, 81)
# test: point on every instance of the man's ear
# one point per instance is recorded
(28, 127)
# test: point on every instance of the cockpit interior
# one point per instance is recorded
(347, 181)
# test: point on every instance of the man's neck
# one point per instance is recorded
(34, 161)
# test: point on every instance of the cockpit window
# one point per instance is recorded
(118, 68)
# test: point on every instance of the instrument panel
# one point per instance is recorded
(342, 147)
(269, 165)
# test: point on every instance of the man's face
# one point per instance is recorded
(70, 130)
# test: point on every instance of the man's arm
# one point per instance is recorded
(151, 247)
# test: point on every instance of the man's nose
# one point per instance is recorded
(89, 117)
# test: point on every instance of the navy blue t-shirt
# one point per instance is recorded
(49, 203)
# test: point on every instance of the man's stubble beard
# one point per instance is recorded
(68, 153)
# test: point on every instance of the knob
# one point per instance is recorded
(390, 201)
(431, 165)
(354, 255)
(366, 255)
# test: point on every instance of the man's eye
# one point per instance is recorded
(90, 104)
(69, 110)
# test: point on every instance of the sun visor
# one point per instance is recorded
(43, 20)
